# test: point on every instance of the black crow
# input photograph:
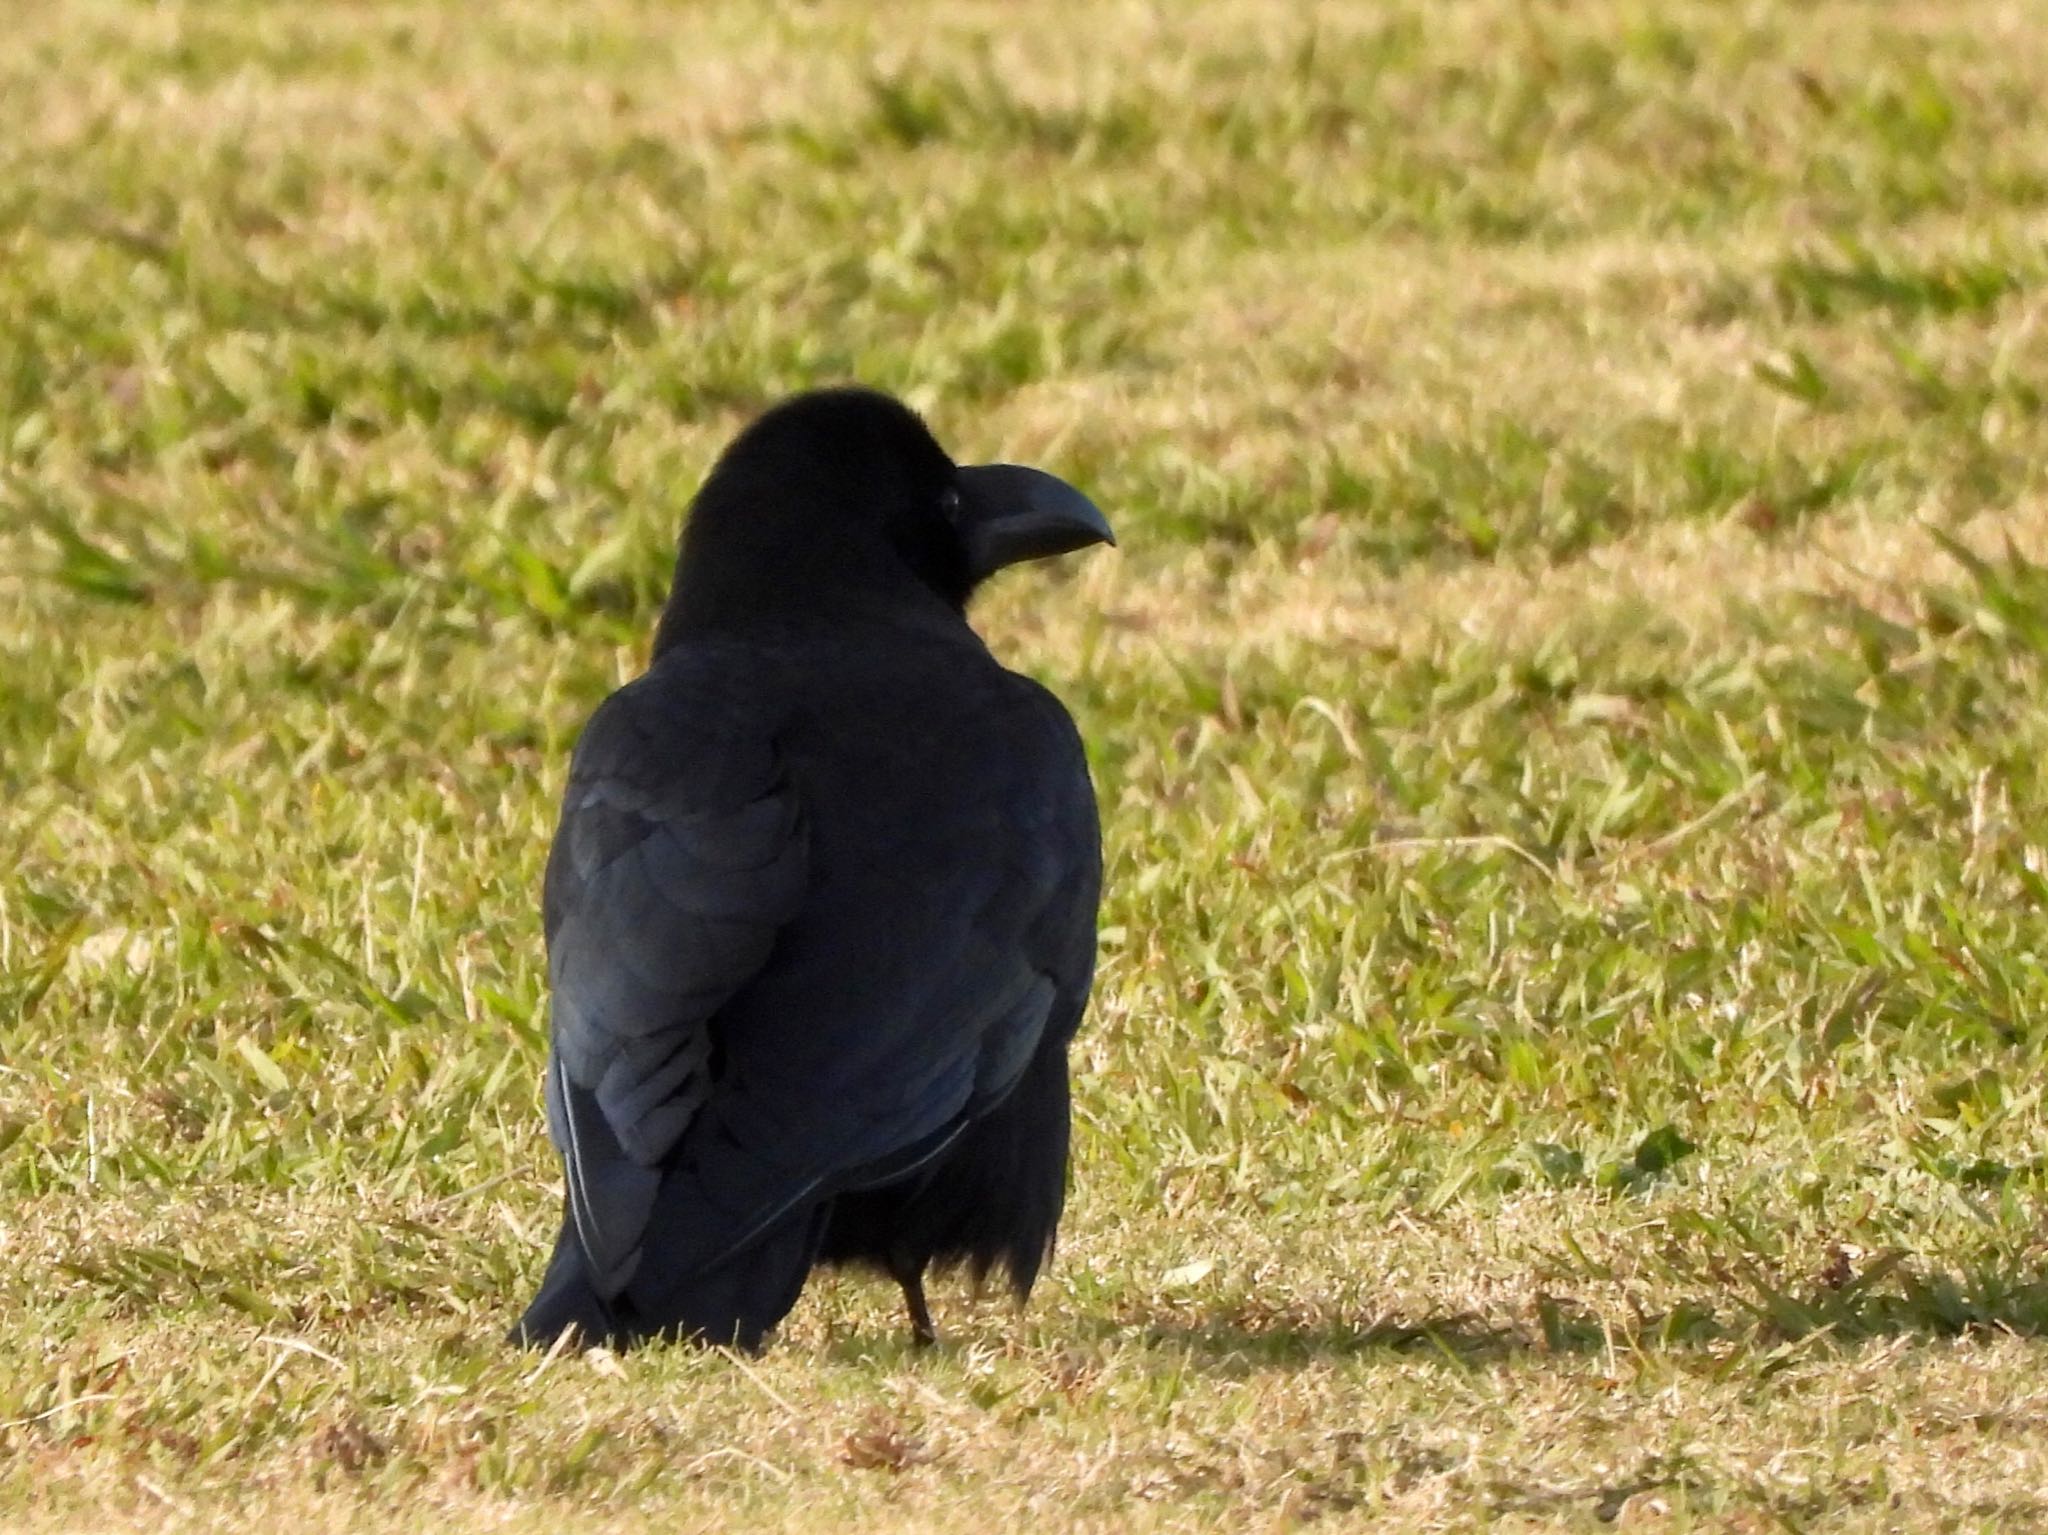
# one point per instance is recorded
(820, 910)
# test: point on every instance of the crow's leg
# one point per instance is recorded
(909, 1273)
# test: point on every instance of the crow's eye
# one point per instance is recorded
(949, 504)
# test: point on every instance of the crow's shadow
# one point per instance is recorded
(1894, 1299)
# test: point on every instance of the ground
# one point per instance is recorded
(1568, 711)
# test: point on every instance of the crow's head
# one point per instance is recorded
(842, 496)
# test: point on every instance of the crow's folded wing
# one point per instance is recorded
(679, 857)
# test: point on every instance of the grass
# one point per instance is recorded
(1568, 708)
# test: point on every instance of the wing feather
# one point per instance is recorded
(680, 855)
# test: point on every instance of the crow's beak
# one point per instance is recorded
(1009, 514)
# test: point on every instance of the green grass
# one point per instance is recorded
(1568, 709)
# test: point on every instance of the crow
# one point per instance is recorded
(820, 908)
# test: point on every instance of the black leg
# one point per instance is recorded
(910, 1275)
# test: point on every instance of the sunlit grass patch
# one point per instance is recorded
(1566, 707)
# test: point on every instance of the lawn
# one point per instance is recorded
(1570, 712)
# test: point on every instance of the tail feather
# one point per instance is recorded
(991, 1202)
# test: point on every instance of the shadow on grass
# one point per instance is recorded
(1890, 1299)
(1234, 1340)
